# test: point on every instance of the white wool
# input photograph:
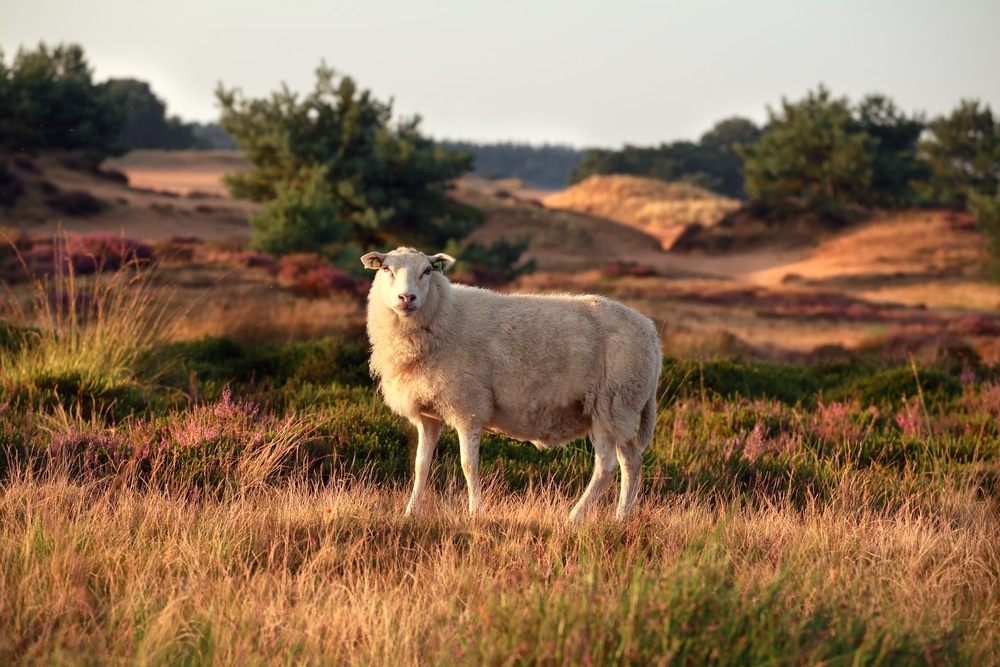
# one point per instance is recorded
(541, 368)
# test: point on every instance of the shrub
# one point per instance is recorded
(890, 388)
(11, 185)
(214, 362)
(229, 444)
(309, 275)
(100, 251)
(728, 379)
(75, 203)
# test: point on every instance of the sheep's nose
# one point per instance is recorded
(407, 298)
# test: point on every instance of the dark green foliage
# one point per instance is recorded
(146, 124)
(896, 166)
(48, 100)
(963, 151)
(546, 166)
(13, 337)
(729, 379)
(331, 171)
(712, 163)
(373, 444)
(829, 154)
(11, 185)
(210, 136)
(889, 388)
(987, 212)
(104, 402)
(498, 263)
(812, 150)
(212, 363)
(804, 385)
(75, 203)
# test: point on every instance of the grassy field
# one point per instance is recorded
(189, 499)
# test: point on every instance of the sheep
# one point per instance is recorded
(540, 368)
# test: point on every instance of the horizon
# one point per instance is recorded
(548, 73)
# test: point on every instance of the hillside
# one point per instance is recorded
(660, 209)
(152, 197)
(901, 284)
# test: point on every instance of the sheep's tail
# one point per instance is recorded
(647, 422)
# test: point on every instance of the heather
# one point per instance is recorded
(212, 500)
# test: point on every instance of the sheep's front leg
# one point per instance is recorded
(604, 470)
(468, 441)
(428, 430)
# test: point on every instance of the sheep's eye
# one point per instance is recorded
(427, 271)
(386, 269)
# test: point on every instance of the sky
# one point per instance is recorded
(572, 72)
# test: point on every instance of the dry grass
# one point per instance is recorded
(270, 316)
(336, 575)
(656, 207)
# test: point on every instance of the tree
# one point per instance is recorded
(812, 150)
(987, 211)
(146, 124)
(723, 142)
(963, 152)
(48, 100)
(896, 166)
(331, 171)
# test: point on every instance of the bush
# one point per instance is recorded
(75, 203)
(890, 388)
(309, 275)
(496, 264)
(987, 212)
(214, 362)
(730, 379)
(11, 185)
(99, 251)
(963, 154)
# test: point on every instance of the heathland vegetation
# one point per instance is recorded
(196, 468)
(203, 500)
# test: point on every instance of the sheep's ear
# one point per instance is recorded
(373, 260)
(442, 262)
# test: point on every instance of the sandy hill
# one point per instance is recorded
(655, 207)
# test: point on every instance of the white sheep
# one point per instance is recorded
(543, 368)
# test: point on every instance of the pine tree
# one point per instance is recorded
(813, 151)
(963, 152)
(334, 174)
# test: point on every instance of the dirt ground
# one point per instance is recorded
(910, 279)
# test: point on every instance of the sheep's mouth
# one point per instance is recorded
(407, 310)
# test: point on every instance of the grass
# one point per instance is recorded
(335, 575)
(248, 510)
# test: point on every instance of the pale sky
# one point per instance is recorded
(558, 71)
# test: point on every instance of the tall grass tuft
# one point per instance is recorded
(82, 341)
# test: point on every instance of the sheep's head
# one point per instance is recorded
(405, 276)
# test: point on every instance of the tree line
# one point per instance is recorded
(49, 100)
(549, 166)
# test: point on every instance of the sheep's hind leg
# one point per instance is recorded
(428, 431)
(604, 470)
(468, 441)
(630, 459)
